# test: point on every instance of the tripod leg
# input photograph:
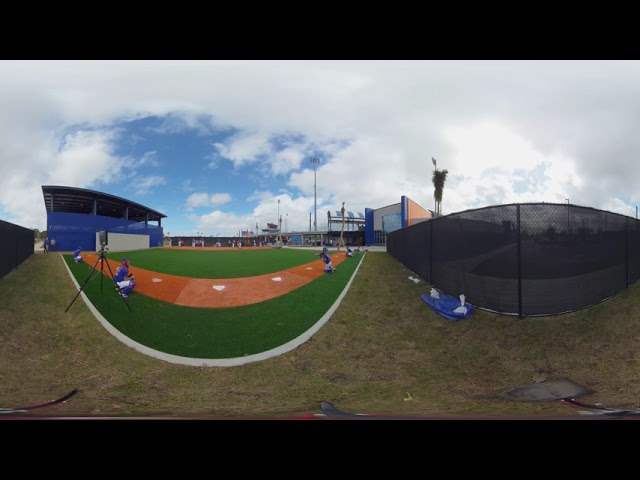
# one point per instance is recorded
(84, 284)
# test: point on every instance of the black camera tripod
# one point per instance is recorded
(101, 258)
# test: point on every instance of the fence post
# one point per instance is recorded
(519, 253)
(430, 250)
(626, 241)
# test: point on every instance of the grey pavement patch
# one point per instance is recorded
(546, 391)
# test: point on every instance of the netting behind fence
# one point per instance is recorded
(16, 245)
(524, 259)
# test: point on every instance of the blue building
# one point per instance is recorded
(75, 216)
(380, 221)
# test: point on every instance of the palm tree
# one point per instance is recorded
(438, 179)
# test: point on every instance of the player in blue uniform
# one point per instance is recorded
(124, 280)
(77, 255)
(327, 261)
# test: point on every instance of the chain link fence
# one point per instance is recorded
(533, 259)
(16, 245)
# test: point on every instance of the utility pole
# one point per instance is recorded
(341, 241)
(315, 162)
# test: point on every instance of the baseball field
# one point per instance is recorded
(215, 307)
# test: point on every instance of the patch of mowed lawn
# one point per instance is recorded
(209, 263)
(214, 333)
(382, 352)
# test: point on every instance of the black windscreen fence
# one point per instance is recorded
(532, 259)
(16, 245)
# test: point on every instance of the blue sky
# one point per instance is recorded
(215, 145)
(212, 178)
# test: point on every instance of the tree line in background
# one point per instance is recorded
(39, 235)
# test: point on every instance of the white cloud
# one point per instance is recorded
(201, 199)
(506, 131)
(198, 200)
(145, 184)
(488, 160)
(86, 158)
(83, 159)
(286, 160)
(244, 148)
(149, 159)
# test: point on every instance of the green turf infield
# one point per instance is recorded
(211, 333)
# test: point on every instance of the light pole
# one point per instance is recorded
(434, 188)
(567, 216)
(315, 162)
(278, 208)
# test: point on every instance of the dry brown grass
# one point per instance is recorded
(383, 352)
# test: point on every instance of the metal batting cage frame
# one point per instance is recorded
(534, 259)
(76, 215)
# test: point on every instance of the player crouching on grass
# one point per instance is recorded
(124, 280)
(327, 261)
(77, 255)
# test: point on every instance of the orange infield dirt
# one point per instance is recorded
(224, 292)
